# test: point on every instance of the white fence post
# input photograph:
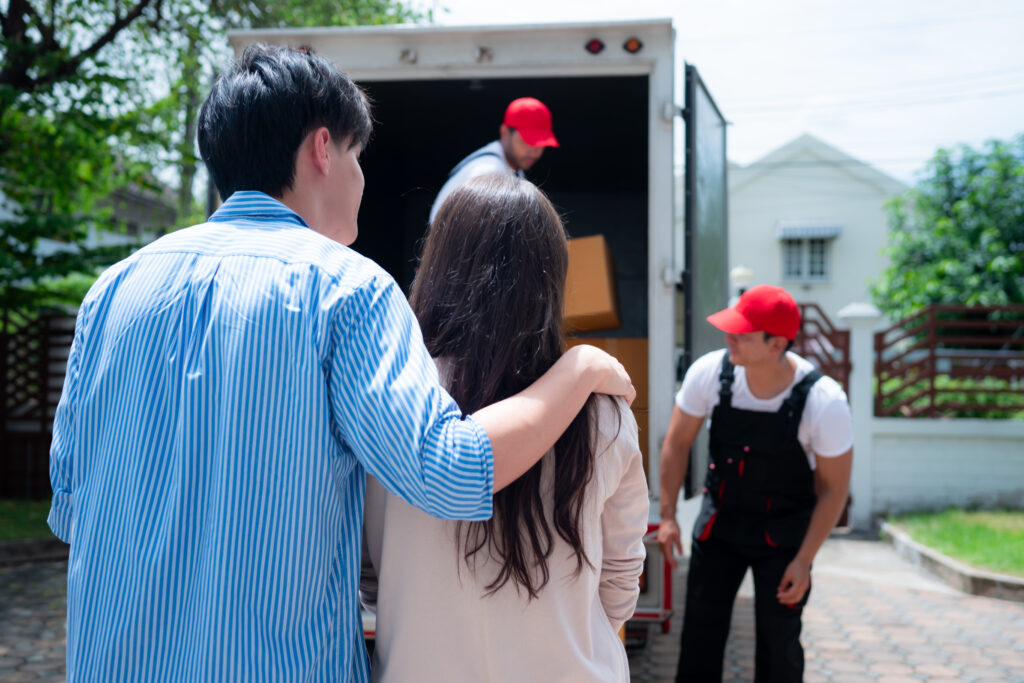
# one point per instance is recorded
(861, 318)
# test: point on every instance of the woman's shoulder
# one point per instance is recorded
(614, 428)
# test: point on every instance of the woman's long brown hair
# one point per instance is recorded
(489, 298)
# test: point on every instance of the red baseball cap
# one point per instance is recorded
(532, 119)
(761, 309)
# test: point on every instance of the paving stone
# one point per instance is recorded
(978, 673)
(848, 667)
(890, 669)
(936, 670)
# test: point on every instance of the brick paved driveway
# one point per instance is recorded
(869, 619)
(32, 615)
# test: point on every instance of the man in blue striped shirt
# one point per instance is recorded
(228, 388)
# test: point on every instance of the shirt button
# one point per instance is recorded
(746, 449)
(711, 466)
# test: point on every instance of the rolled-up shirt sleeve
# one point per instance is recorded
(393, 414)
(62, 445)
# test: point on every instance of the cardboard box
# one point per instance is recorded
(632, 353)
(591, 302)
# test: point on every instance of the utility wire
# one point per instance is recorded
(945, 82)
(811, 32)
(877, 104)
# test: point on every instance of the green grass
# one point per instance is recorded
(24, 519)
(992, 539)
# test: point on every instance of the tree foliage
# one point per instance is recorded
(99, 95)
(958, 236)
(68, 88)
(198, 47)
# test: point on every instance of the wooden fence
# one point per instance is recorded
(822, 343)
(952, 361)
(33, 357)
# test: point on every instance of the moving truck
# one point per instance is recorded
(626, 114)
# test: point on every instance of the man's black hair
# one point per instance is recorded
(264, 105)
(789, 342)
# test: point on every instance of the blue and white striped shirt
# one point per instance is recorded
(227, 390)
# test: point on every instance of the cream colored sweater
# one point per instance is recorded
(434, 622)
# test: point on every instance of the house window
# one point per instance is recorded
(805, 260)
(805, 250)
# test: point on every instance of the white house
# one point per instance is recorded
(810, 218)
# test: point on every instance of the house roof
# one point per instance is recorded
(807, 147)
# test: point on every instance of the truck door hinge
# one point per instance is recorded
(671, 110)
(671, 276)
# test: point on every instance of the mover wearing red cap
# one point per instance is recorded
(524, 133)
(781, 449)
(761, 309)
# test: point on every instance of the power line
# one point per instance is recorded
(882, 104)
(834, 30)
(945, 82)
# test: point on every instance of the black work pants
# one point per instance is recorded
(716, 571)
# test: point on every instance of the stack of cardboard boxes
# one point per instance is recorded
(591, 305)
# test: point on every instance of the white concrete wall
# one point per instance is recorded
(930, 464)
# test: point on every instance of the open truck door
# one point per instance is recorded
(705, 279)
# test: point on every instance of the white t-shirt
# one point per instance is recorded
(491, 159)
(825, 426)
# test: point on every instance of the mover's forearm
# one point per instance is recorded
(674, 463)
(675, 458)
(823, 520)
(833, 483)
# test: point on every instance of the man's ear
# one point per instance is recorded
(778, 344)
(503, 132)
(320, 149)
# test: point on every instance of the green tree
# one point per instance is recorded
(71, 130)
(198, 48)
(97, 94)
(958, 236)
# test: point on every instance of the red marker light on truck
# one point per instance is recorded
(594, 45)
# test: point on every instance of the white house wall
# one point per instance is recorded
(812, 183)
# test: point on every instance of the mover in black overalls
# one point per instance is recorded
(764, 507)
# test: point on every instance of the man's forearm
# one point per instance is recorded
(674, 463)
(823, 520)
(832, 482)
(522, 428)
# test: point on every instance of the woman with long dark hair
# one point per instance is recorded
(539, 591)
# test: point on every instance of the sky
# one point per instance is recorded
(886, 81)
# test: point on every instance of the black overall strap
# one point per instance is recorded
(793, 406)
(725, 379)
(480, 153)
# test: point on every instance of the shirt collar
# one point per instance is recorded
(255, 206)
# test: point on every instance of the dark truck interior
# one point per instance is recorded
(597, 178)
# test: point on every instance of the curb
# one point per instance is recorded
(32, 550)
(953, 572)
